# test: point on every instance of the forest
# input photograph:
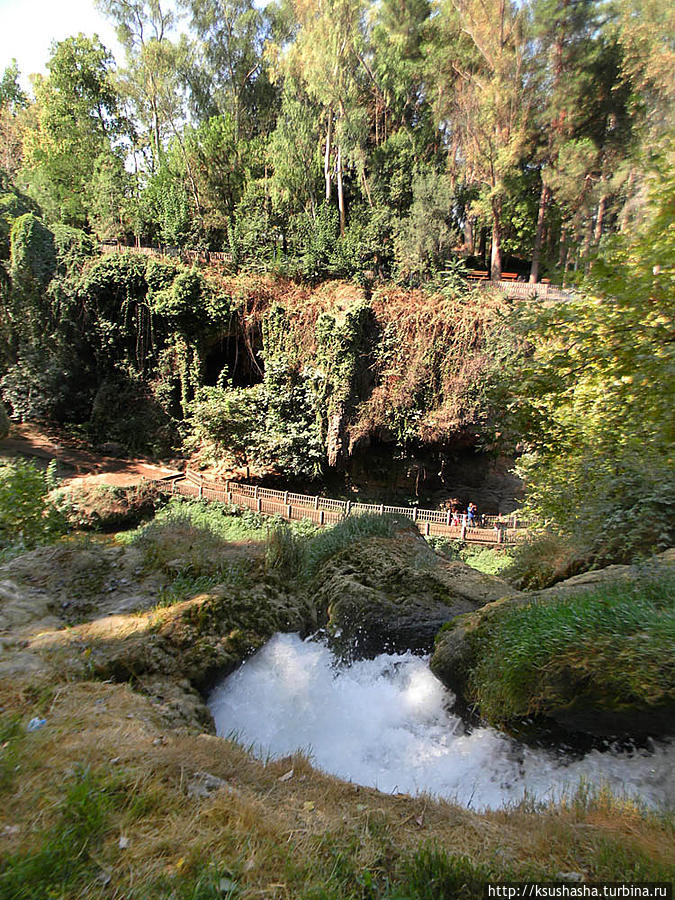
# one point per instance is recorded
(350, 138)
(352, 162)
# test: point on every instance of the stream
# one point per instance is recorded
(386, 723)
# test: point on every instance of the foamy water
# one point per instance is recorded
(385, 723)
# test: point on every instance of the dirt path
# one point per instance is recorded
(76, 464)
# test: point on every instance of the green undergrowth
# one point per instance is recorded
(484, 559)
(302, 555)
(63, 861)
(614, 643)
(28, 518)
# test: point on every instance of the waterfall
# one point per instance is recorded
(386, 723)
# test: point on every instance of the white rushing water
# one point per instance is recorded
(384, 722)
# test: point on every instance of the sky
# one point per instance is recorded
(28, 27)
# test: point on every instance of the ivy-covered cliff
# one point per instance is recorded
(149, 353)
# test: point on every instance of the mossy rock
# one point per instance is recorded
(393, 594)
(204, 637)
(616, 681)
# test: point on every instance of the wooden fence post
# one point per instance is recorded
(427, 529)
(462, 536)
(289, 511)
(414, 513)
(381, 509)
(286, 498)
(448, 518)
(227, 486)
(255, 492)
(348, 507)
(201, 490)
(258, 505)
(316, 503)
(322, 517)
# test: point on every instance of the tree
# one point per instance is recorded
(76, 121)
(150, 79)
(600, 436)
(229, 75)
(11, 92)
(483, 102)
(563, 35)
(328, 58)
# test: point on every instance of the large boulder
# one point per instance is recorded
(587, 687)
(393, 594)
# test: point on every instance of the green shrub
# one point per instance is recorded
(27, 515)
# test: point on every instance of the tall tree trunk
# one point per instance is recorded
(544, 197)
(626, 209)
(602, 206)
(482, 244)
(496, 254)
(562, 247)
(588, 240)
(326, 158)
(340, 192)
(468, 235)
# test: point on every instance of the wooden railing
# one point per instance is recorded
(326, 511)
(522, 290)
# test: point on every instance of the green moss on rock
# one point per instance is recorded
(591, 655)
(394, 593)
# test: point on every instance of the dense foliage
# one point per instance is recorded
(594, 400)
(350, 138)
(391, 144)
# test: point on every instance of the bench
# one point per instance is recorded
(508, 276)
(477, 275)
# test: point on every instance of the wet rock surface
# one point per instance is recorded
(393, 594)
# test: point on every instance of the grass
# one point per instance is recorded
(484, 559)
(197, 539)
(63, 861)
(11, 733)
(331, 541)
(545, 559)
(615, 642)
(258, 838)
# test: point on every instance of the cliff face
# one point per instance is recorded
(396, 385)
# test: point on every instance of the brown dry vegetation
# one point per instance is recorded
(428, 352)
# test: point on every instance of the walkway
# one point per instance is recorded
(497, 530)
